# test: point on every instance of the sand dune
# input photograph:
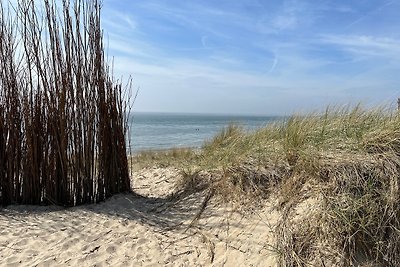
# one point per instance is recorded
(129, 230)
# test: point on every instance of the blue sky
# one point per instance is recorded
(255, 57)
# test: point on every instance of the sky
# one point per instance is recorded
(254, 57)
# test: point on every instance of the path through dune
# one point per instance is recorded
(128, 230)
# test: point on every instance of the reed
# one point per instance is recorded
(62, 115)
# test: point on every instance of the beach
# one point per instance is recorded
(265, 134)
(132, 230)
(275, 197)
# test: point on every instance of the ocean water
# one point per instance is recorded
(150, 131)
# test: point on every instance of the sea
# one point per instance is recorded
(158, 131)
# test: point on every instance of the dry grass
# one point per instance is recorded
(62, 124)
(336, 176)
(175, 157)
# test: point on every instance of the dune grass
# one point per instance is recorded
(341, 169)
(174, 157)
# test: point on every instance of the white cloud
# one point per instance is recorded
(365, 45)
(285, 22)
(215, 71)
(128, 46)
(204, 40)
(274, 64)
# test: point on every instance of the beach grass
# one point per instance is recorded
(177, 157)
(335, 177)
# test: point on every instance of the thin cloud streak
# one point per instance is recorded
(253, 52)
(366, 45)
(369, 14)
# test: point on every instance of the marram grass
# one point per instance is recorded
(342, 168)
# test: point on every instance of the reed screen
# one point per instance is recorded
(62, 114)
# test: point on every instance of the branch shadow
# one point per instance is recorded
(173, 212)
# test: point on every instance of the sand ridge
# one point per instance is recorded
(130, 230)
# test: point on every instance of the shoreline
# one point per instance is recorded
(164, 150)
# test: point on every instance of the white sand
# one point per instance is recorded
(130, 231)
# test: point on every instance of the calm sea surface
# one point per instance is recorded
(167, 130)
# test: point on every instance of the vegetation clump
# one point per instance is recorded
(335, 177)
(62, 124)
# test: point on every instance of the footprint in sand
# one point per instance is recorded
(12, 260)
(139, 250)
(107, 224)
(22, 242)
(32, 252)
(111, 249)
(141, 241)
(70, 242)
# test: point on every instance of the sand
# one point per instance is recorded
(128, 230)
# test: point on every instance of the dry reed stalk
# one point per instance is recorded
(62, 116)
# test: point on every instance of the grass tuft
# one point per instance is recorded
(336, 176)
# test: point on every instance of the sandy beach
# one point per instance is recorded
(146, 230)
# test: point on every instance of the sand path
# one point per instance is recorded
(127, 230)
